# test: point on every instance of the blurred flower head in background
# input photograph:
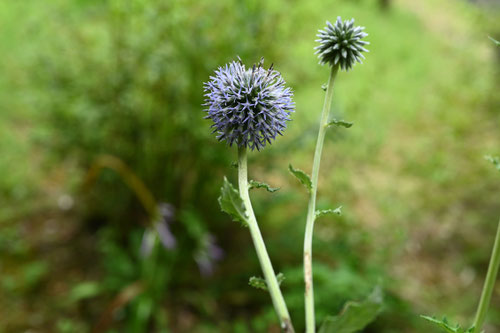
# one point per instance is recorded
(160, 229)
(249, 107)
(341, 44)
(208, 254)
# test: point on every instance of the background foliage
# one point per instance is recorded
(82, 79)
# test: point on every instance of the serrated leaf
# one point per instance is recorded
(231, 203)
(336, 211)
(260, 283)
(256, 184)
(494, 41)
(301, 176)
(441, 323)
(444, 324)
(340, 122)
(355, 316)
(495, 160)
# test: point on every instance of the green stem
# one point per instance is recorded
(308, 274)
(489, 284)
(260, 247)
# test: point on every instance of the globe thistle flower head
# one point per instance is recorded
(341, 44)
(249, 107)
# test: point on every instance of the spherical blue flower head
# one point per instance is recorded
(341, 44)
(249, 107)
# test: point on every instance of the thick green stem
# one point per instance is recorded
(489, 284)
(308, 274)
(260, 247)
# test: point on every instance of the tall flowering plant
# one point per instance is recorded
(249, 108)
(340, 46)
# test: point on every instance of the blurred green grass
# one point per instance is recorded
(82, 78)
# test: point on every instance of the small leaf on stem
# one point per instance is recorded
(255, 184)
(260, 283)
(337, 211)
(355, 316)
(301, 176)
(231, 203)
(444, 324)
(337, 122)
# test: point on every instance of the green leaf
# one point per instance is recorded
(495, 160)
(444, 324)
(84, 290)
(301, 176)
(355, 316)
(337, 122)
(260, 283)
(494, 41)
(231, 203)
(33, 273)
(320, 213)
(257, 283)
(256, 184)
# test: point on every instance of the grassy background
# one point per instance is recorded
(85, 78)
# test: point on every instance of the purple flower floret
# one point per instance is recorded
(341, 44)
(249, 107)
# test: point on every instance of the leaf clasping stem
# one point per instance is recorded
(308, 274)
(265, 262)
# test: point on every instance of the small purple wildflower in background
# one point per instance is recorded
(249, 107)
(341, 44)
(166, 214)
(208, 254)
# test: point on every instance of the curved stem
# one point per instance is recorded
(489, 284)
(260, 247)
(308, 274)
